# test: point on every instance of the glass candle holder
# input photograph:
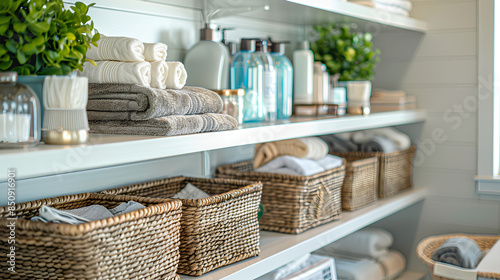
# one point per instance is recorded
(19, 113)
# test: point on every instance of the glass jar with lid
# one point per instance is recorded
(19, 113)
(233, 102)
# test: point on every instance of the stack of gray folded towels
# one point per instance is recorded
(142, 110)
(386, 140)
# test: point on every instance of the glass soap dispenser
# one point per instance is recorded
(19, 113)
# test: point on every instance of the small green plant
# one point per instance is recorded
(42, 37)
(351, 54)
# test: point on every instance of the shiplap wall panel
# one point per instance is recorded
(444, 15)
(445, 183)
(437, 99)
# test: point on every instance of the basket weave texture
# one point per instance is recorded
(215, 231)
(360, 186)
(429, 245)
(293, 204)
(142, 244)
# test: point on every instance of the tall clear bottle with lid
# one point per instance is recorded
(20, 114)
(247, 72)
(284, 72)
(303, 76)
(270, 80)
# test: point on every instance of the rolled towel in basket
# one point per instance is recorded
(308, 147)
(117, 48)
(135, 102)
(177, 75)
(459, 251)
(402, 141)
(190, 191)
(292, 166)
(368, 242)
(166, 126)
(159, 74)
(115, 72)
(338, 144)
(155, 52)
(372, 143)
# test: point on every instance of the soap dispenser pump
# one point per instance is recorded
(208, 61)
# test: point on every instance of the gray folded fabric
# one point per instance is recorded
(136, 102)
(378, 144)
(83, 214)
(459, 251)
(167, 126)
(338, 144)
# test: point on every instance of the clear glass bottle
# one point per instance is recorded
(270, 80)
(284, 71)
(233, 102)
(247, 72)
(19, 113)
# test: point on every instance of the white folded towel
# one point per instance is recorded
(83, 214)
(117, 48)
(368, 242)
(155, 51)
(387, 267)
(177, 75)
(394, 263)
(402, 141)
(318, 148)
(115, 72)
(330, 162)
(292, 166)
(190, 192)
(159, 74)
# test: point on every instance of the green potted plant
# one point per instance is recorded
(349, 55)
(42, 37)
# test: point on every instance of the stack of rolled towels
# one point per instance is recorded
(402, 7)
(386, 140)
(302, 157)
(133, 90)
(365, 254)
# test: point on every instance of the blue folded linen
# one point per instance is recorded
(459, 251)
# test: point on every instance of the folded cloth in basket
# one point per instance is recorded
(116, 72)
(135, 102)
(373, 143)
(300, 166)
(367, 242)
(117, 48)
(401, 140)
(167, 126)
(84, 214)
(459, 251)
(339, 144)
(190, 192)
(308, 148)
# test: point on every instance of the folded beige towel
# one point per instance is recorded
(308, 147)
(177, 75)
(159, 74)
(118, 72)
(117, 48)
(166, 126)
(134, 102)
(155, 51)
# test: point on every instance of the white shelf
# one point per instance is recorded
(278, 249)
(112, 150)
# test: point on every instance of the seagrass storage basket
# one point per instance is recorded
(360, 186)
(429, 245)
(215, 231)
(142, 244)
(293, 204)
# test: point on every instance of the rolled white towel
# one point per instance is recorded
(159, 74)
(317, 147)
(115, 72)
(117, 48)
(402, 141)
(155, 51)
(177, 75)
(370, 242)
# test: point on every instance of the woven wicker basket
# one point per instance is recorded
(293, 204)
(428, 246)
(142, 244)
(360, 186)
(215, 231)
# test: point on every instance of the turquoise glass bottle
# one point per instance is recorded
(247, 72)
(285, 80)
